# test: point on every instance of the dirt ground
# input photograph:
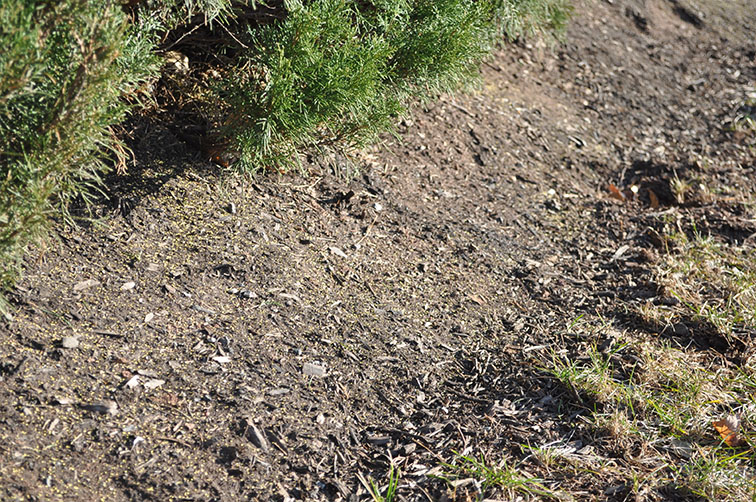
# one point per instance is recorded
(279, 338)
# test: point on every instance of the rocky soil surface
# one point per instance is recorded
(292, 337)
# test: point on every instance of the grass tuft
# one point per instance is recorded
(504, 477)
(663, 404)
(389, 492)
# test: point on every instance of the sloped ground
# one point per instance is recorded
(279, 338)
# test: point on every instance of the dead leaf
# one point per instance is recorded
(616, 193)
(729, 429)
(653, 198)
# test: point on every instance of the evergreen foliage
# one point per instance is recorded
(337, 72)
(63, 69)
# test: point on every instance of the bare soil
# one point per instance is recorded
(275, 338)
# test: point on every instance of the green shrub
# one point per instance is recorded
(63, 69)
(311, 80)
(337, 72)
(515, 18)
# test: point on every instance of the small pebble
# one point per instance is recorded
(69, 342)
(133, 382)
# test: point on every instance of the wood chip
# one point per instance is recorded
(89, 283)
(316, 370)
(379, 440)
(105, 407)
(618, 254)
(105, 332)
(128, 285)
(338, 252)
(257, 437)
(153, 383)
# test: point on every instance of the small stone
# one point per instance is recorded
(222, 359)
(128, 285)
(133, 382)
(378, 207)
(320, 419)
(311, 369)
(149, 317)
(69, 342)
(153, 267)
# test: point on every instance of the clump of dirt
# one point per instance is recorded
(279, 338)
